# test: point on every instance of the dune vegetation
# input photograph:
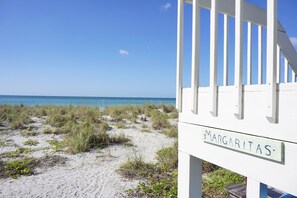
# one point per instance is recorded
(82, 129)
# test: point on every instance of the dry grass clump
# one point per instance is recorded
(119, 113)
(171, 131)
(136, 168)
(15, 117)
(160, 178)
(159, 120)
(168, 157)
(86, 136)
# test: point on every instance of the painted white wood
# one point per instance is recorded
(195, 52)
(238, 58)
(260, 54)
(189, 176)
(252, 13)
(179, 61)
(286, 72)
(254, 122)
(278, 64)
(249, 53)
(287, 48)
(278, 175)
(256, 15)
(226, 31)
(213, 56)
(271, 60)
(255, 189)
(293, 76)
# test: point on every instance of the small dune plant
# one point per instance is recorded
(16, 168)
(159, 180)
(31, 142)
(17, 153)
(214, 184)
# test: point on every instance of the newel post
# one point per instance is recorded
(272, 25)
(179, 59)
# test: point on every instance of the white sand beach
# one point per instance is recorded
(89, 174)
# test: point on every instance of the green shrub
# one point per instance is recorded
(31, 142)
(17, 153)
(56, 145)
(157, 186)
(215, 184)
(17, 168)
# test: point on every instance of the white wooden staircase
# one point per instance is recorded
(264, 112)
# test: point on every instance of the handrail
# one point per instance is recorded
(259, 17)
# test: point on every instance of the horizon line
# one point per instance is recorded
(135, 97)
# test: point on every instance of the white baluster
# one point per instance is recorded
(195, 53)
(213, 56)
(260, 55)
(249, 54)
(226, 24)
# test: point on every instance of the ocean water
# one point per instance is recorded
(86, 101)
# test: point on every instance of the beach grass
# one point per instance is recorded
(160, 179)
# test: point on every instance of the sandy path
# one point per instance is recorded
(91, 174)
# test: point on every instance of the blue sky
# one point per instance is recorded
(98, 48)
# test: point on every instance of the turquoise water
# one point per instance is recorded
(86, 101)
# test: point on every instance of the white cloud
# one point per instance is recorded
(166, 6)
(123, 52)
(294, 41)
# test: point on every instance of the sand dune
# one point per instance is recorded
(90, 174)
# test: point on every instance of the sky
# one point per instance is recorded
(119, 48)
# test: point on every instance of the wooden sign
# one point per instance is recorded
(253, 145)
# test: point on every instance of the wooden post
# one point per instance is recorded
(189, 176)
(195, 53)
(260, 54)
(179, 61)
(213, 56)
(226, 24)
(272, 26)
(238, 58)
